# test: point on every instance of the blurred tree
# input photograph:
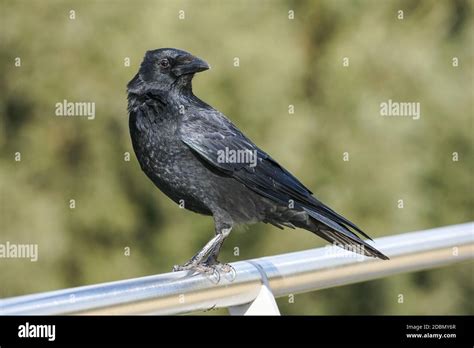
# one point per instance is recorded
(334, 62)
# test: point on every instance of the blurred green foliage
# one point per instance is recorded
(282, 62)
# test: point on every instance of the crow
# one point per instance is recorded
(200, 159)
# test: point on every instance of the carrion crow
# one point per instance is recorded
(199, 158)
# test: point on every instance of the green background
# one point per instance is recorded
(282, 62)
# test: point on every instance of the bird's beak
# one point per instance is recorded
(189, 64)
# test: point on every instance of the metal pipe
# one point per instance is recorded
(292, 273)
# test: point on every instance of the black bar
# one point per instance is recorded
(135, 330)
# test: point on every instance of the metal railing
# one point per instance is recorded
(257, 282)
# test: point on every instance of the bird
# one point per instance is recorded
(197, 157)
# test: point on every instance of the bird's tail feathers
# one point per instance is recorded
(338, 234)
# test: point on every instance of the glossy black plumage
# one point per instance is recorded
(179, 141)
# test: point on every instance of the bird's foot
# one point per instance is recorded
(210, 271)
(228, 270)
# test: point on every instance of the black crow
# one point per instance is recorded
(199, 158)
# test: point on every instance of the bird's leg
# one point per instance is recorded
(214, 253)
(196, 262)
(212, 258)
(205, 261)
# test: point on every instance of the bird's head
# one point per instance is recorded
(165, 67)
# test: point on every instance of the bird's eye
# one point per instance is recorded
(164, 63)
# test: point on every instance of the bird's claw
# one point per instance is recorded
(229, 271)
(210, 271)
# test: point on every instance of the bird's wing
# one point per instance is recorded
(212, 135)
